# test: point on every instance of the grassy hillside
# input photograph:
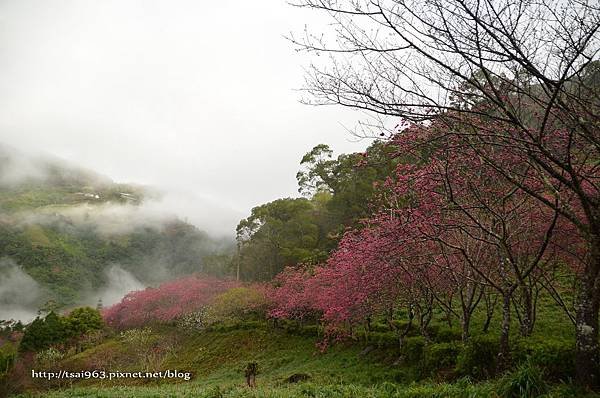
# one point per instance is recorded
(289, 366)
(292, 362)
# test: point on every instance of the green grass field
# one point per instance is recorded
(217, 359)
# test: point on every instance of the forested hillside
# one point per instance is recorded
(336, 194)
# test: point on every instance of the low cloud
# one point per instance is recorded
(108, 219)
(20, 294)
(119, 282)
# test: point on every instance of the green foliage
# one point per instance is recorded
(83, 320)
(43, 333)
(237, 304)
(349, 178)
(304, 230)
(412, 350)
(317, 176)
(279, 233)
(445, 334)
(555, 356)
(53, 329)
(479, 357)
(440, 356)
(527, 381)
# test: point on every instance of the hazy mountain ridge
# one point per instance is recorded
(28, 182)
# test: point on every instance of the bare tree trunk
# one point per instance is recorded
(447, 307)
(587, 361)
(367, 329)
(469, 301)
(425, 312)
(526, 321)
(504, 354)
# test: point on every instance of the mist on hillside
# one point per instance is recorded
(19, 293)
(21, 297)
(119, 283)
(46, 202)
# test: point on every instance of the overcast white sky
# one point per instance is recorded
(194, 97)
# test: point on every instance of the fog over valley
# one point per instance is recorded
(71, 236)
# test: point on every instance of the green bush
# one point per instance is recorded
(310, 330)
(412, 350)
(478, 358)
(83, 320)
(45, 332)
(445, 334)
(384, 339)
(527, 381)
(42, 333)
(440, 356)
(380, 327)
(555, 357)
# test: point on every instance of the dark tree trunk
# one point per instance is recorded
(465, 323)
(425, 316)
(587, 364)
(490, 308)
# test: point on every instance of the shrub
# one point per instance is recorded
(137, 337)
(440, 356)
(192, 321)
(140, 342)
(42, 333)
(478, 357)
(384, 339)
(239, 303)
(412, 350)
(49, 356)
(83, 320)
(310, 330)
(525, 382)
(90, 339)
(445, 334)
(555, 357)
(380, 327)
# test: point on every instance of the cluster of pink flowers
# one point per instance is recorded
(167, 302)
